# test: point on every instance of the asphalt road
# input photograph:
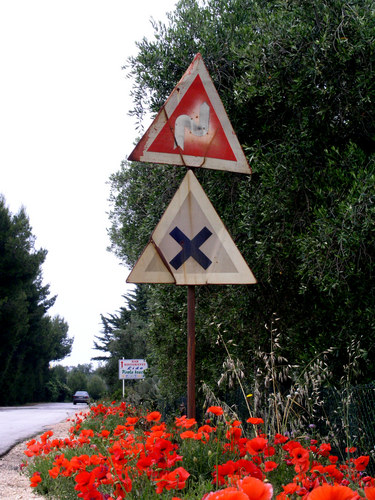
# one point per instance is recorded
(18, 423)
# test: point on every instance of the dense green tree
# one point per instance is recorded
(296, 79)
(78, 379)
(123, 336)
(29, 338)
(60, 344)
(58, 389)
(84, 377)
(96, 387)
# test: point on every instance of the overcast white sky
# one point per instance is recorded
(63, 130)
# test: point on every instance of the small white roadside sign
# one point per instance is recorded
(132, 369)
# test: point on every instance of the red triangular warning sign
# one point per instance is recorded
(192, 128)
(212, 144)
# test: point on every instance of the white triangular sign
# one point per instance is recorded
(190, 245)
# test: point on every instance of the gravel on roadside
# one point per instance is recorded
(13, 484)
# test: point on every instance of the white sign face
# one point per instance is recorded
(130, 369)
(190, 245)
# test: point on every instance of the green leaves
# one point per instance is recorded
(296, 81)
(339, 246)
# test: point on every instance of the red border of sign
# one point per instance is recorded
(143, 153)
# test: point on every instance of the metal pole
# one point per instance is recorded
(123, 386)
(191, 352)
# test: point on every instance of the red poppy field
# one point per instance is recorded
(116, 451)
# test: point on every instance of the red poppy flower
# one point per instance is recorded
(368, 481)
(256, 445)
(132, 420)
(290, 445)
(100, 472)
(361, 463)
(157, 428)
(353, 449)
(207, 428)
(269, 451)
(290, 488)
(35, 480)
(54, 472)
(234, 433)
(202, 436)
(93, 494)
(255, 489)
(230, 493)
(370, 493)
(300, 459)
(327, 492)
(269, 465)
(187, 435)
(247, 468)
(121, 486)
(171, 460)
(154, 416)
(44, 437)
(235, 423)
(280, 439)
(299, 455)
(333, 459)
(324, 449)
(85, 480)
(33, 449)
(185, 422)
(172, 480)
(329, 471)
(223, 470)
(255, 421)
(216, 410)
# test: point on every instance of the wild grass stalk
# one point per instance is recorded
(287, 396)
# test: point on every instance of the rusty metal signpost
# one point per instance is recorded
(190, 245)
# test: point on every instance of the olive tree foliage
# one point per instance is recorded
(296, 79)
